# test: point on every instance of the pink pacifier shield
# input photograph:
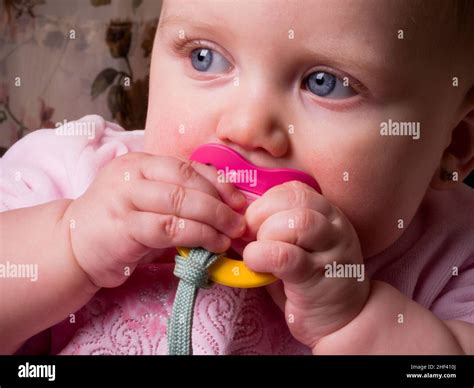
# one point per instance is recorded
(230, 162)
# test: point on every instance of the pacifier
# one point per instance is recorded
(252, 181)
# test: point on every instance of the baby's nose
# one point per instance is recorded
(254, 124)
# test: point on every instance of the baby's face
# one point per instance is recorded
(308, 85)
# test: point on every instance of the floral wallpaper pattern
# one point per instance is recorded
(60, 60)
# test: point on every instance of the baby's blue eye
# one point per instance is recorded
(325, 84)
(207, 60)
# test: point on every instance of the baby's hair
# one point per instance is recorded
(464, 19)
(457, 13)
(464, 30)
(464, 11)
(450, 29)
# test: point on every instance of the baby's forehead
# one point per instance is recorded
(382, 29)
(304, 16)
(307, 15)
(312, 23)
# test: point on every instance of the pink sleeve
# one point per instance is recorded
(49, 164)
(456, 301)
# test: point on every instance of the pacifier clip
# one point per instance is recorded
(193, 274)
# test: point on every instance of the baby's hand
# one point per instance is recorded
(298, 232)
(141, 203)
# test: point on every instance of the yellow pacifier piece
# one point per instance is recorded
(233, 273)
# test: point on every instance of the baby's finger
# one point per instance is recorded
(286, 261)
(306, 228)
(284, 197)
(163, 231)
(166, 198)
(172, 170)
(227, 191)
(191, 174)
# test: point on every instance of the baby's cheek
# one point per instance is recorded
(379, 206)
(374, 192)
(161, 137)
(173, 119)
(377, 220)
(176, 126)
(167, 134)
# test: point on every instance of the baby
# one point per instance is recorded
(375, 101)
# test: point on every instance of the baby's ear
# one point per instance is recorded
(458, 158)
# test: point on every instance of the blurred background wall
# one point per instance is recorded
(63, 59)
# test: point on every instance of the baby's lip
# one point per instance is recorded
(223, 157)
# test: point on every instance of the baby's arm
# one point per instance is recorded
(339, 313)
(38, 235)
(118, 223)
(380, 329)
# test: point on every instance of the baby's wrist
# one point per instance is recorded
(66, 226)
(351, 326)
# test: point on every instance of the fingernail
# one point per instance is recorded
(238, 197)
(224, 242)
(239, 223)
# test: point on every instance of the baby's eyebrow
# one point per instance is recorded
(187, 22)
(367, 64)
